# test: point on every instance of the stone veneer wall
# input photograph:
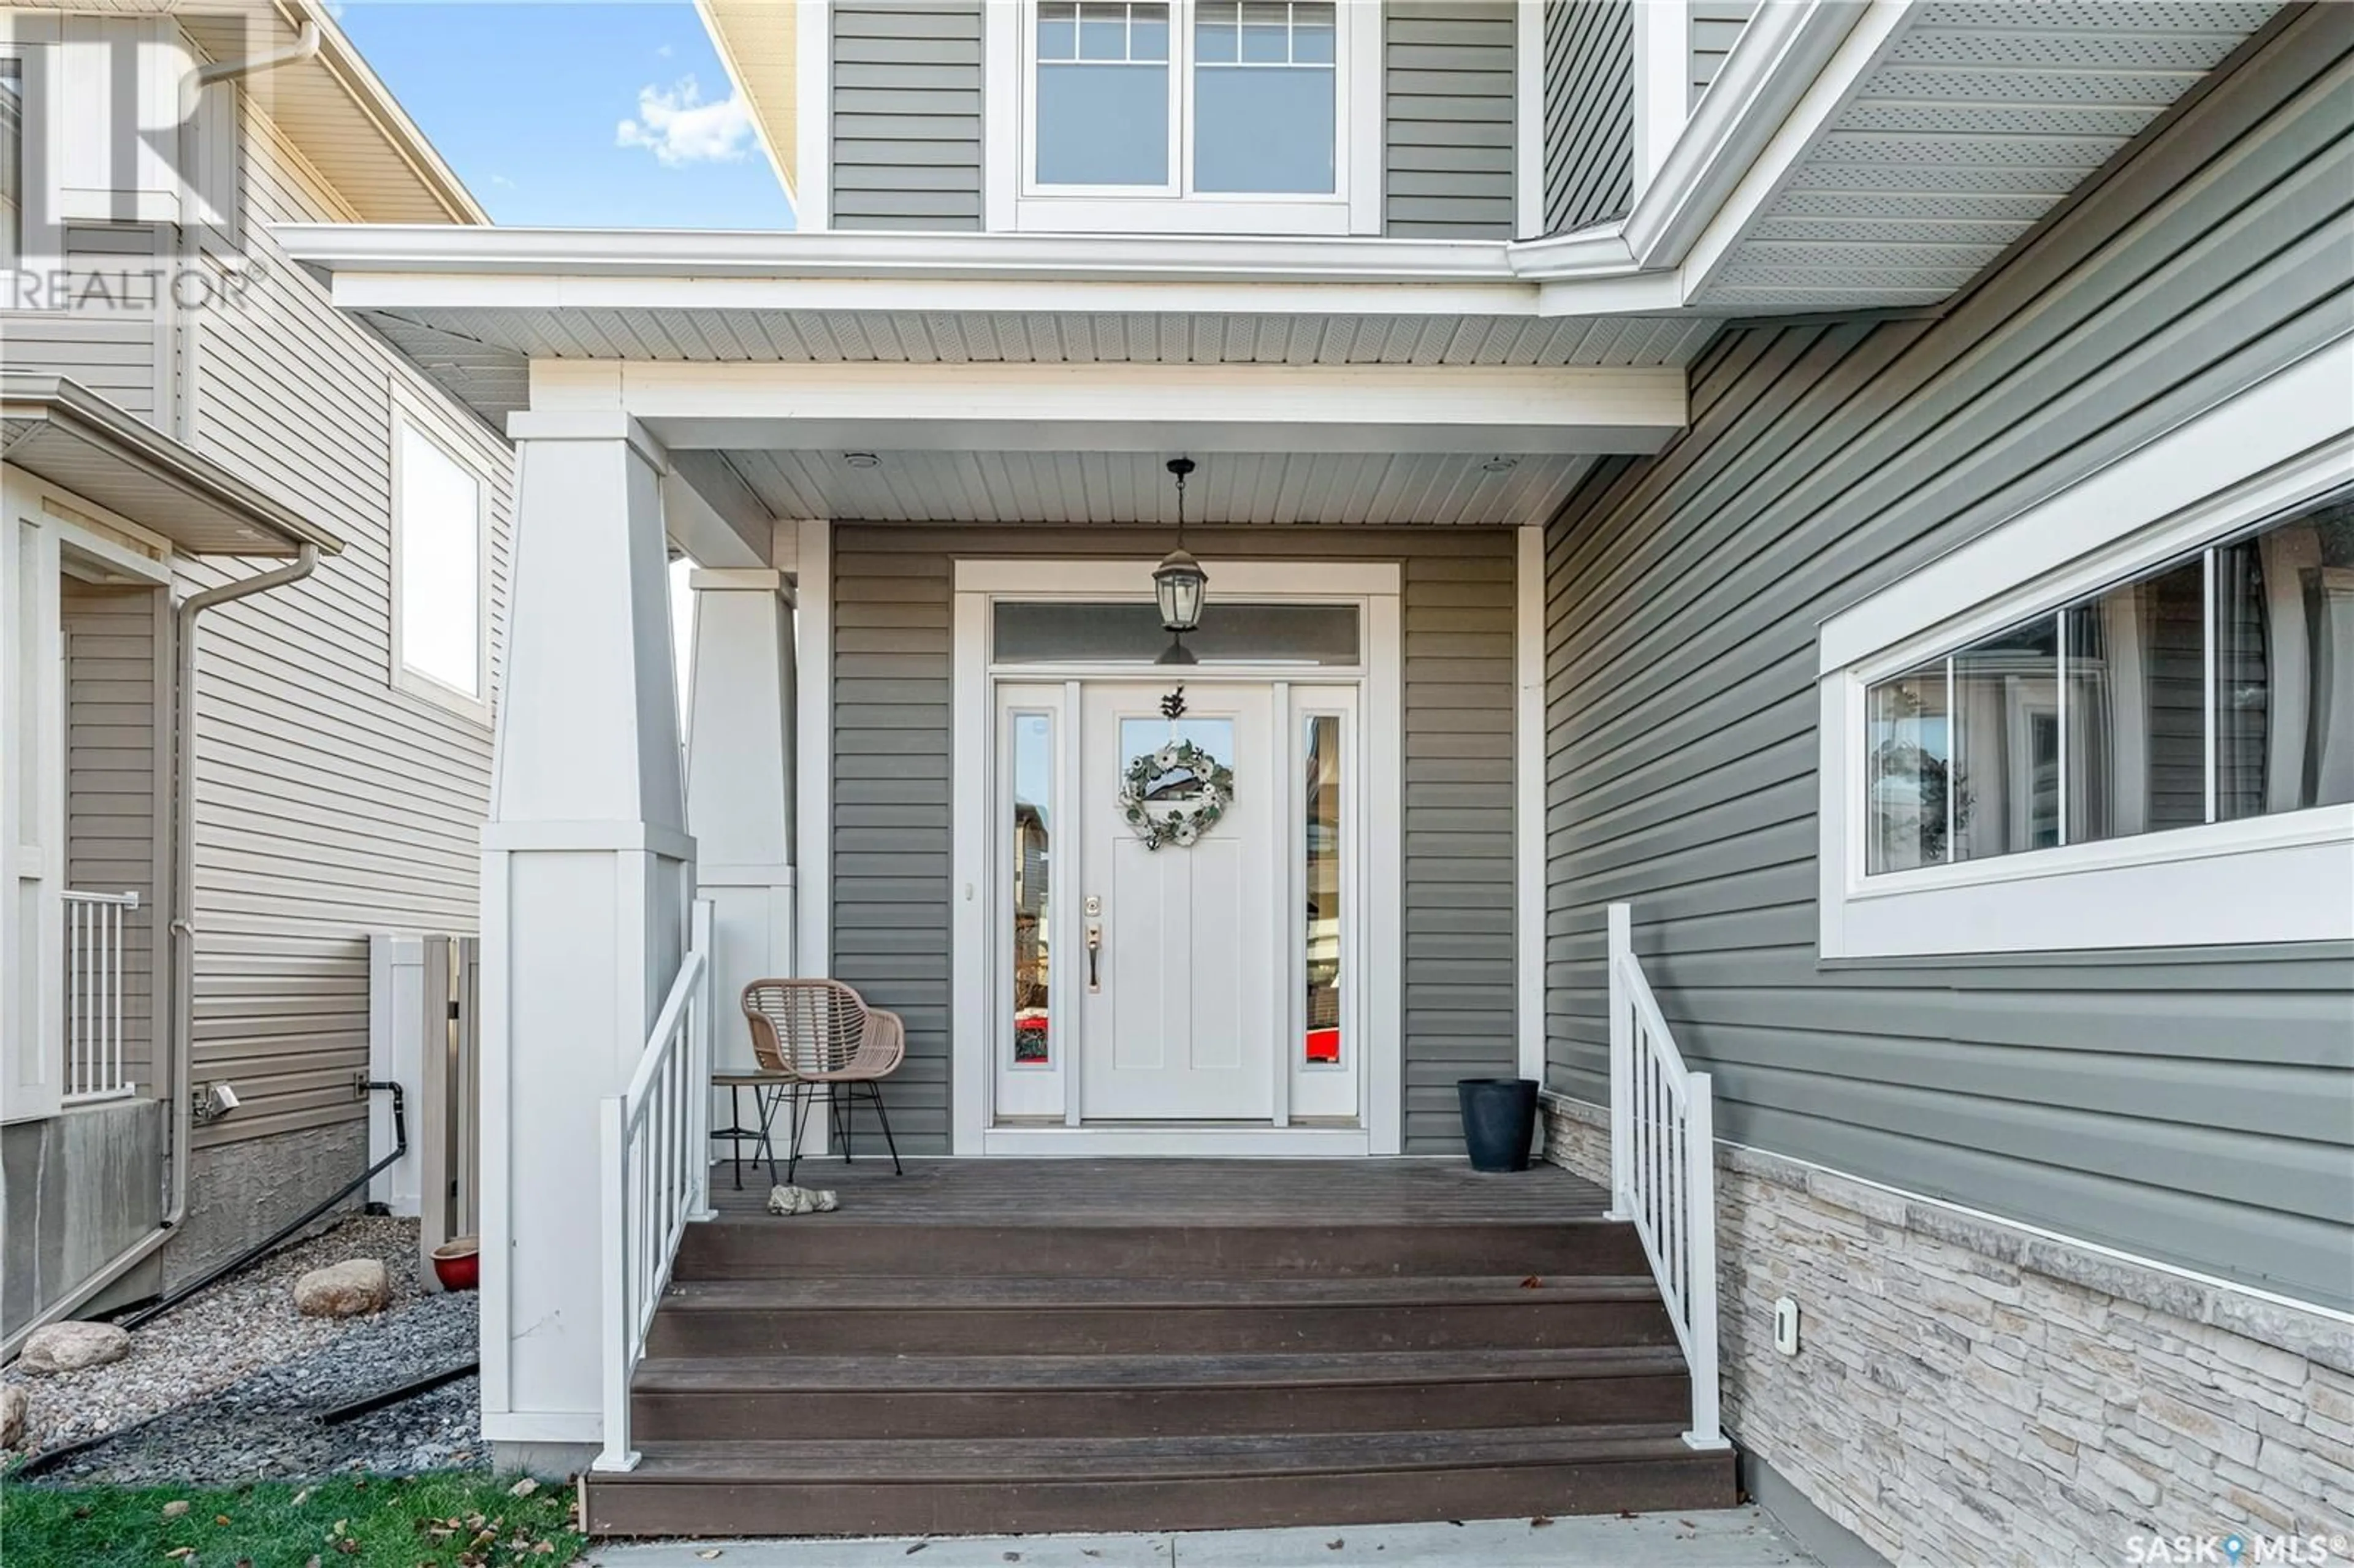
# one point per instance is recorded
(1971, 1391)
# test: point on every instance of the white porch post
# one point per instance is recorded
(739, 785)
(588, 873)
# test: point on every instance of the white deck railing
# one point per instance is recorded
(94, 1010)
(1663, 1167)
(656, 1170)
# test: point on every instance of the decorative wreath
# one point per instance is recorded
(1184, 825)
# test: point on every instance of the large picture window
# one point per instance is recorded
(2120, 717)
(2218, 687)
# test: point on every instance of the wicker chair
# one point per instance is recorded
(813, 1035)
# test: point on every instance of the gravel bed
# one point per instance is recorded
(267, 1425)
(241, 1326)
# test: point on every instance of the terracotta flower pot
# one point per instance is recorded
(457, 1264)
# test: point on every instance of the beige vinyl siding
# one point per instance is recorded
(2188, 1105)
(892, 600)
(1716, 27)
(115, 670)
(1447, 125)
(329, 805)
(113, 342)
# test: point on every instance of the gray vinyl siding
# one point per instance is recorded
(329, 804)
(1589, 113)
(1715, 26)
(1448, 119)
(114, 675)
(891, 894)
(2189, 1104)
(907, 114)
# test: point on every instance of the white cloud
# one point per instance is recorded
(678, 127)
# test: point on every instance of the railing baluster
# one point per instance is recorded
(1662, 1163)
(654, 1180)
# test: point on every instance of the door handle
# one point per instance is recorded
(1095, 947)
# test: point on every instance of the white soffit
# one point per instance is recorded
(1093, 488)
(1978, 119)
(333, 108)
(481, 355)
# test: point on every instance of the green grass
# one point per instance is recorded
(347, 1522)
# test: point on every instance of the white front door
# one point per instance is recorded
(1180, 1007)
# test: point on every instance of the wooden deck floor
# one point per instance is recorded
(1177, 1192)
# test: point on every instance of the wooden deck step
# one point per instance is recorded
(848, 1243)
(879, 1396)
(1026, 1315)
(915, 1486)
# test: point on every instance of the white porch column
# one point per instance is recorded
(739, 785)
(587, 872)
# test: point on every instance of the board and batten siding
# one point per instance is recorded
(1715, 27)
(893, 591)
(1447, 124)
(1589, 113)
(117, 661)
(907, 113)
(328, 804)
(2188, 1105)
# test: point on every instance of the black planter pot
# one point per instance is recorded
(1499, 1120)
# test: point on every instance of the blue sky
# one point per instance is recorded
(576, 113)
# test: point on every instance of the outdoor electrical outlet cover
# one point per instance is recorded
(1785, 1326)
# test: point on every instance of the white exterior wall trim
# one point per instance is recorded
(813, 190)
(2278, 878)
(1529, 857)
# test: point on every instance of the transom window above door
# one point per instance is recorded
(1198, 116)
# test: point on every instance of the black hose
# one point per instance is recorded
(366, 1404)
(164, 1304)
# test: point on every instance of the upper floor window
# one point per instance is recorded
(1200, 116)
(439, 529)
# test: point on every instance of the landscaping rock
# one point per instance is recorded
(70, 1347)
(12, 1416)
(348, 1290)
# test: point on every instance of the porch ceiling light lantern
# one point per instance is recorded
(1179, 580)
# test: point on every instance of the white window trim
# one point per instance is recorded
(406, 412)
(2282, 878)
(1013, 201)
(30, 41)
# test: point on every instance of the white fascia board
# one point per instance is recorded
(424, 294)
(1128, 408)
(585, 254)
(1781, 55)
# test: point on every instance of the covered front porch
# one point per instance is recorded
(916, 553)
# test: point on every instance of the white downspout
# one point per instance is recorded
(306, 47)
(181, 934)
